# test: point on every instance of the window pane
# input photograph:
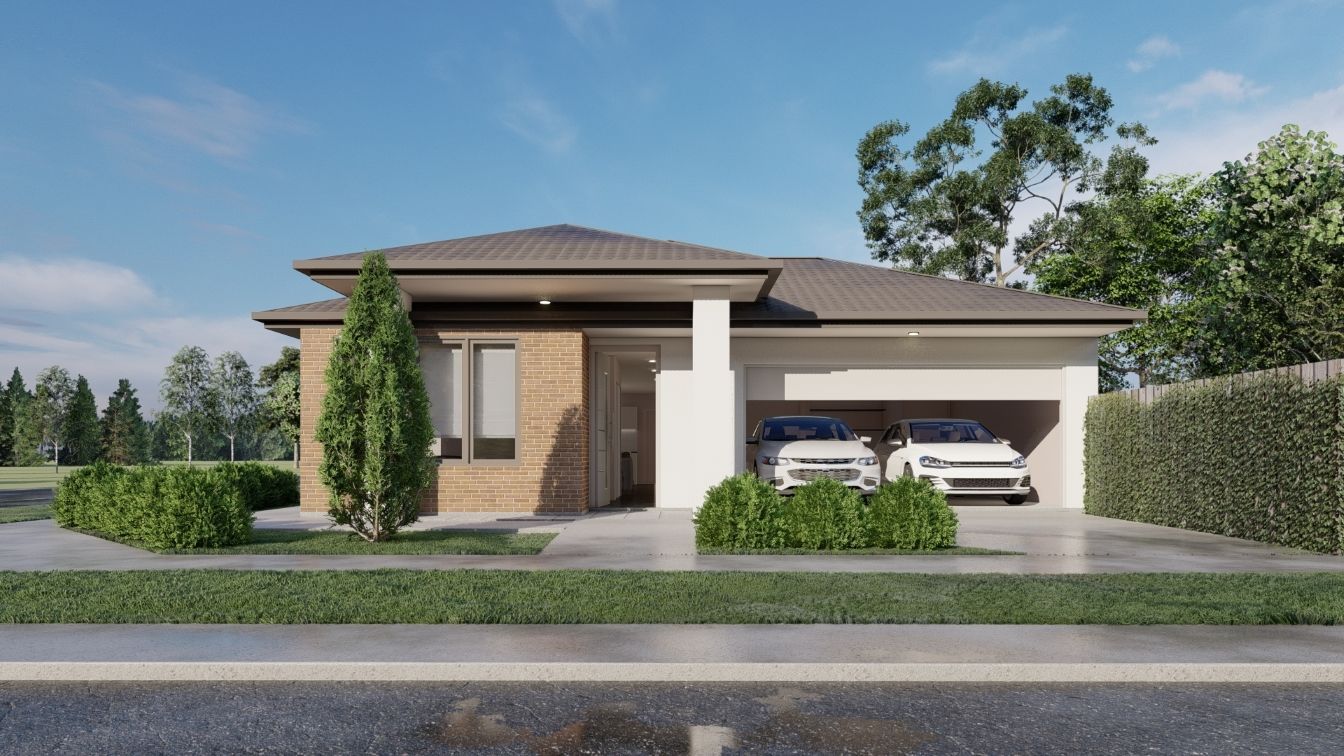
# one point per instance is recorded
(442, 366)
(494, 399)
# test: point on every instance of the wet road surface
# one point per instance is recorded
(145, 718)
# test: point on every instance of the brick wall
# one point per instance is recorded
(551, 474)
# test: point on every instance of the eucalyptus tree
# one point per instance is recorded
(51, 408)
(186, 396)
(947, 203)
(233, 396)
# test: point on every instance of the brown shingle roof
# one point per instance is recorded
(549, 245)
(811, 288)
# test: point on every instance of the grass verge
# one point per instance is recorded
(25, 513)
(592, 596)
(953, 551)
(411, 542)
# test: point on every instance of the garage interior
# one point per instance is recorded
(1031, 427)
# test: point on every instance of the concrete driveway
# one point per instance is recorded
(1050, 541)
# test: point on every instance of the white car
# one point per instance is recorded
(790, 451)
(959, 457)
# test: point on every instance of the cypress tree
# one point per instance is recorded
(125, 437)
(81, 431)
(8, 398)
(375, 428)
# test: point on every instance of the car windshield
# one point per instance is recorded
(950, 432)
(806, 429)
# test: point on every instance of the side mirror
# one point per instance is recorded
(865, 439)
(1005, 442)
(896, 442)
(752, 440)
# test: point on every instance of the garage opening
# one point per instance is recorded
(1031, 426)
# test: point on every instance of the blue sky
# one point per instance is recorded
(162, 164)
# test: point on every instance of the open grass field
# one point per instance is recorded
(25, 513)
(596, 596)
(45, 476)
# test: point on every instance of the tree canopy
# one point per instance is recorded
(945, 205)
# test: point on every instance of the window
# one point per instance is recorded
(473, 396)
(494, 401)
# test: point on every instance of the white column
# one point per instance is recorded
(712, 392)
(1080, 385)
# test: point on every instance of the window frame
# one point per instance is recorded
(467, 345)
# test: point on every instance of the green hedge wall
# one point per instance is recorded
(156, 507)
(1258, 457)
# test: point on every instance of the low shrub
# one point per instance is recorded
(824, 514)
(262, 486)
(156, 507)
(742, 512)
(908, 513)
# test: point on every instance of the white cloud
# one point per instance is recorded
(983, 56)
(210, 118)
(535, 119)
(1150, 51)
(70, 285)
(588, 20)
(136, 348)
(1203, 144)
(1213, 85)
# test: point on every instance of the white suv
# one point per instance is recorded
(959, 457)
(790, 451)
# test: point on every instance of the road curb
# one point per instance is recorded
(671, 672)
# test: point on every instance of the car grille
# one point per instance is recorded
(810, 474)
(980, 482)
(821, 461)
(982, 464)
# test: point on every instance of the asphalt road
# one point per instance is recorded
(145, 718)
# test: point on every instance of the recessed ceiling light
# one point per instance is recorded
(544, 301)
(653, 362)
(653, 370)
(913, 333)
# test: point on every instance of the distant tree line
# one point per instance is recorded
(210, 411)
(1239, 270)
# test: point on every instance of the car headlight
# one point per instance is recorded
(866, 461)
(934, 462)
(1021, 461)
(774, 461)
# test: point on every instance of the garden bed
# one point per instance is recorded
(343, 542)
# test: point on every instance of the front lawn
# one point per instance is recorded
(596, 596)
(408, 542)
(25, 513)
(951, 551)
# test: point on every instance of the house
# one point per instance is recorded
(570, 367)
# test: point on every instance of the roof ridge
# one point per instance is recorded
(975, 283)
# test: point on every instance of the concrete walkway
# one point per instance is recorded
(849, 653)
(1050, 541)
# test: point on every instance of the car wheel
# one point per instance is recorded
(1015, 499)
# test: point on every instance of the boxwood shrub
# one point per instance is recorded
(159, 507)
(909, 513)
(262, 486)
(1258, 457)
(746, 513)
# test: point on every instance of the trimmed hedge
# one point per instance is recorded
(262, 486)
(1258, 457)
(745, 512)
(158, 507)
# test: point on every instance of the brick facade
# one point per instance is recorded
(551, 473)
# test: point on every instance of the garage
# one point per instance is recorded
(1021, 403)
(1032, 427)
